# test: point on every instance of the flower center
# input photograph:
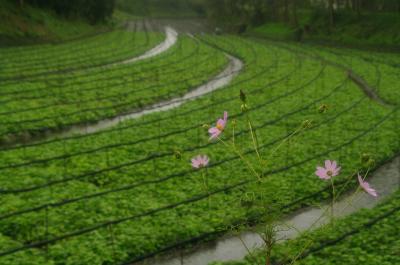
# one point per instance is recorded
(329, 173)
(220, 127)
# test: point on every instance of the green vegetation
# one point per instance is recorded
(93, 11)
(127, 192)
(369, 237)
(369, 30)
(118, 194)
(62, 99)
(276, 31)
(379, 70)
(30, 24)
(31, 62)
(162, 8)
(370, 23)
(121, 16)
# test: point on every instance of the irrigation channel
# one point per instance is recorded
(386, 180)
(233, 68)
(171, 37)
(222, 79)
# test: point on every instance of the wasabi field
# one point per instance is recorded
(159, 141)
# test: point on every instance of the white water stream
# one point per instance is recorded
(386, 180)
(170, 40)
(221, 80)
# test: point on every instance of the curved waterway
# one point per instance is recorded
(222, 79)
(170, 40)
(386, 180)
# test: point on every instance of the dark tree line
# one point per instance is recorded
(359, 6)
(232, 12)
(92, 10)
(241, 13)
(146, 7)
(253, 12)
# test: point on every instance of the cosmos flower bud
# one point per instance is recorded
(248, 199)
(306, 124)
(244, 107)
(323, 108)
(234, 122)
(206, 126)
(367, 160)
(242, 96)
(177, 154)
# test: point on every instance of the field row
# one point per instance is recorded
(380, 71)
(113, 196)
(368, 237)
(99, 94)
(99, 50)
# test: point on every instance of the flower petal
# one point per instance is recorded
(360, 180)
(206, 159)
(225, 116)
(367, 188)
(215, 134)
(336, 171)
(372, 192)
(213, 130)
(321, 173)
(328, 164)
(221, 123)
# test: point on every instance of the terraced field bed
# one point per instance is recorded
(367, 237)
(60, 100)
(381, 71)
(114, 46)
(127, 192)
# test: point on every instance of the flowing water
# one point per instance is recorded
(170, 40)
(386, 180)
(221, 80)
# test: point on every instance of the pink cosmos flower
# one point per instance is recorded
(330, 170)
(219, 128)
(365, 185)
(200, 161)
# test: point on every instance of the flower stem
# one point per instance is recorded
(205, 183)
(254, 138)
(298, 130)
(333, 201)
(236, 151)
(324, 213)
(351, 198)
(233, 135)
